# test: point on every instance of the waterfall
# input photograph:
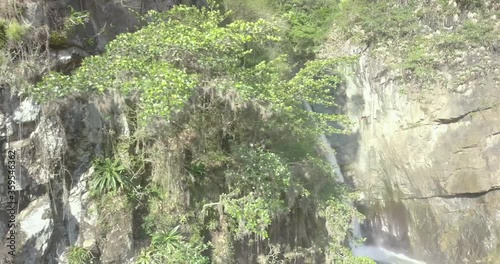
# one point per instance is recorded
(375, 253)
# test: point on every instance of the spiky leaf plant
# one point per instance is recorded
(109, 176)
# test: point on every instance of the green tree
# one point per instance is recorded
(190, 69)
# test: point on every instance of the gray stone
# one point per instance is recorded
(67, 59)
(81, 220)
(49, 145)
(34, 13)
(27, 112)
(36, 229)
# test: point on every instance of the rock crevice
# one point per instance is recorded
(473, 195)
(450, 120)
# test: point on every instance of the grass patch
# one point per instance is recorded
(15, 31)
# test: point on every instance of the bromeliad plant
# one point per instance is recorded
(169, 247)
(169, 240)
(109, 176)
(79, 255)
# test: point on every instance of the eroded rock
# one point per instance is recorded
(36, 230)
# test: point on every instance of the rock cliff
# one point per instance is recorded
(425, 157)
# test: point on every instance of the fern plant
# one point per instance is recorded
(109, 176)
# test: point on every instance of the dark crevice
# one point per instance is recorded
(457, 195)
(451, 120)
(494, 134)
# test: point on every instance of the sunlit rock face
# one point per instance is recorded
(427, 161)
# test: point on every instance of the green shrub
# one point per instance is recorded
(263, 173)
(197, 169)
(309, 22)
(251, 214)
(419, 61)
(479, 32)
(191, 65)
(75, 18)
(469, 4)
(79, 255)
(250, 10)
(305, 23)
(180, 50)
(378, 20)
(168, 240)
(61, 35)
(470, 33)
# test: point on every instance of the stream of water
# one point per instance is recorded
(378, 254)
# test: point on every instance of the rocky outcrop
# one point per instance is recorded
(426, 160)
(55, 146)
(106, 18)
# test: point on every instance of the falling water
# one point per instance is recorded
(375, 253)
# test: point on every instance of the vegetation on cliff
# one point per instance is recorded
(223, 155)
(420, 40)
(221, 163)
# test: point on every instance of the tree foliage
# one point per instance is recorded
(192, 69)
(304, 23)
(185, 49)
